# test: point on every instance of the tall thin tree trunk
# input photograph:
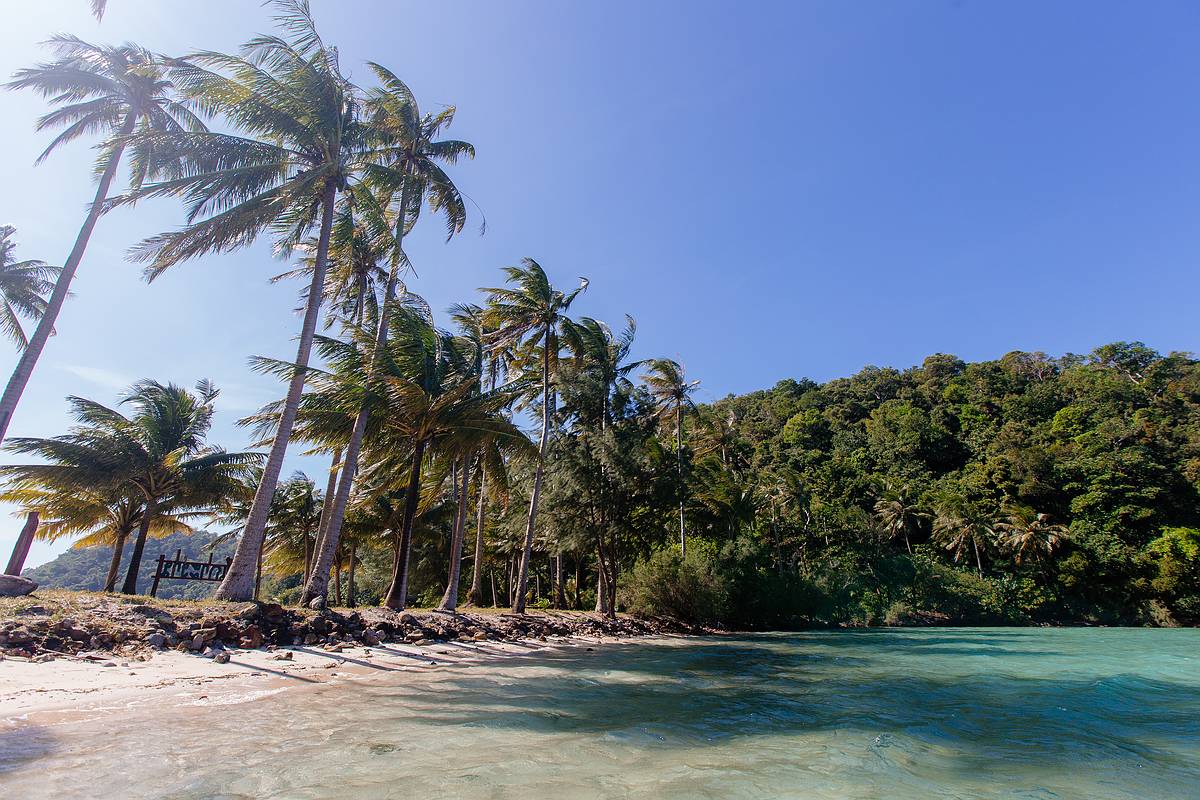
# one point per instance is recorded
(139, 544)
(258, 575)
(335, 466)
(450, 597)
(20, 552)
(318, 581)
(518, 604)
(577, 604)
(114, 564)
(492, 575)
(337, 581)
(239, 581)
(351, 599)
(397, 594)
(62, 285)
(560, 596)
(679, 460)
(475, 596)
(978, 561)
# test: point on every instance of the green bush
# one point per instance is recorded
(670, 585)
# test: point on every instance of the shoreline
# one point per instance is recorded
(77, 690)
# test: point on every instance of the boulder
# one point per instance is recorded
(221, 657)
(15, 586)
(156, 640)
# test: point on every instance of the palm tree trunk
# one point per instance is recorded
(114, 564)
(318, 582)
(326, 507)
(398, 591)
(337, 582)
(239, 581)
(139, 544)
(518, 603)
(475, 596)
(62, 285)
(450, 597)
(679, 460)
(258, 574)
(351, 600)
(560, 596)
(20, 552)
(978, 562)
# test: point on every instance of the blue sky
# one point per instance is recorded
(772, 189)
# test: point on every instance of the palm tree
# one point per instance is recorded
(411, 170)
(531, 312)
(159, 452)
(960, 525)
(673, 394)
(898, 513)
(1028, 534)
(112, 91)
(304, 141)
(23, 289)
(98, 517)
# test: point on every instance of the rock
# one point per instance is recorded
(156, 640)
(407, 618)
(197, 643)
(370, 637)
(480, 637)
(101, 641)
(43, 658)
(286, 655)
(252, 637)
(248, 612)
(221, 657)
(317, 603)
(311, 638)
(17, 637)
(15, 586)
(333, 648)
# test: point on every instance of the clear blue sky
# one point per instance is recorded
(772, 189)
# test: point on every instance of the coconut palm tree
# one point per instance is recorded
(158, 451)
(898, 512)
(672, 393)
(1029, 535)
(531, 313)
(113, 92)
(24, 286)
(98, 518)
(960, 526)
(412, 172)
(302, 142)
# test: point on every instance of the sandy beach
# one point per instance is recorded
(93, 684)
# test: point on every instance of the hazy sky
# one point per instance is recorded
(772, 189)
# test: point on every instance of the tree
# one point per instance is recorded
(159, 452)
(111, 91)
(411, 170)
(673, 393)
(898, 512)
(1029, 535)
(98, 518)
(961, 525)
(531, 313)
(23, 289)
(303, 142)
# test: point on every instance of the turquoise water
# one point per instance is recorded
(942, 713)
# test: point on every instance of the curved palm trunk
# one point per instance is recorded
(20, 552)
(323, 524)
(450, 597)
(978, 561)
(475, 596)
(518, 604)
(62, 285)
(318, 581)
(114, 564)
(139, 545)
(239, 581)
(398, 591)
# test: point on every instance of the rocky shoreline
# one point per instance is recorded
(50, 625)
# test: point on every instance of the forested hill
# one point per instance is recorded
(1060, 488)
(85, 567)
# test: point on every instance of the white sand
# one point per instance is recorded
(70, 689)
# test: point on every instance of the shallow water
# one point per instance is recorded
(896, 714)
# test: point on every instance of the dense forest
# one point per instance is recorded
(511, 450)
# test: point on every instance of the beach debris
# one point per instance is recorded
(221, 657)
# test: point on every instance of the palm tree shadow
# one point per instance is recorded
(24, 745)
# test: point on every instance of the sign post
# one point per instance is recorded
(179, 569)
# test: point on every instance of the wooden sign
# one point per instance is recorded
(178, 569)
